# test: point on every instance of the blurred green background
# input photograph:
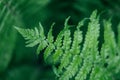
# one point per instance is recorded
(18, 62)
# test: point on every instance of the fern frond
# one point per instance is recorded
(48, 51)
(73, 60)
(75, 49)
(72, 69)
(43, 42)
(90, 51)
(109, 48)
(50, 46)
(65, 61)
(34, 37)
(66, 47)
(82, 75)
(30, 35)
(50, 37)
(58, 41)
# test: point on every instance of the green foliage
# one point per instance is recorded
(34, 37)
(16, 59)
(7, 33)
(69, 58)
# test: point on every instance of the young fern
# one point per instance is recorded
(74, 61)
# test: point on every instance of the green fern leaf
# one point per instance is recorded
(65, 33)
(48, 51)
(89, 52)
(77, 39)
(72, 68)
(71, 60)
(30, 35)
(34, 37)
(75, 49)
(50, 46)
(66, 47)
(109, 47)
(50, 37)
